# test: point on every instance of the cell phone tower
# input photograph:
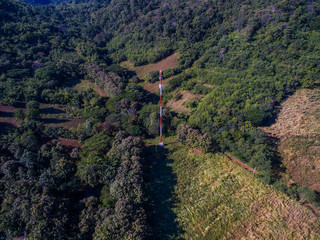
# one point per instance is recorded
(160, 86)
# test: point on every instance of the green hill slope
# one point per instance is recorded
(217, 199)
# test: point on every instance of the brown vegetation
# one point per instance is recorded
(71, 143)
(288, 216)
(167, 63)
(298, 130)
(178, 104)
(87, 84)
(218, 199)
(154, 87)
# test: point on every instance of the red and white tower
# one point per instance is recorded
(160, 86)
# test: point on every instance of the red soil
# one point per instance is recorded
(72, 123)
(71, 143)
(4, 108)
(240, 163)
(11, 121)
(8, 111)
(196, 151)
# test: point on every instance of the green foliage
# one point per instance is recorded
(99, 141)
(153, 77)
(245, 58)
(106, 199)
(193, 138)
(18, 114)
(33, 111)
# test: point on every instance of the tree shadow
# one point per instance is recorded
(6, 114)
(161, 182)
(5, 128)
(53, 121)
(71, 82)
(51, 110)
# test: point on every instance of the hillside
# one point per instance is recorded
(297, 130)
(79, 108)
(217, 199)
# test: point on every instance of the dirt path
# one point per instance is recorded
(240, 163)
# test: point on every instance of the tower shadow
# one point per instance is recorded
(161, 181)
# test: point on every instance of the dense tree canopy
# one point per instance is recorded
(243, 57)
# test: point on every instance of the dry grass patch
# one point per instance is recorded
(154, 87)
(298, 130)
(85, 85)
(216, 199)
(182, 97)
(142, 71)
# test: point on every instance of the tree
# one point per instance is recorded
(33, 111)
(18, 114)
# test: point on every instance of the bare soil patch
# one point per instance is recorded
(71, 143)
(196, 151)
(245, 166)
(7, 114)
(298, 130)
(60, 116)
(167, 63)
(178, 105)
(154, 87)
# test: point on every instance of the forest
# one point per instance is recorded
(243, 57)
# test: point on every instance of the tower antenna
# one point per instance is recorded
(160, 86)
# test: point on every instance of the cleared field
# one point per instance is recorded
(50, 114)
(217, 199)
(87, 84)
(69, 143)
(60, 116)
(182, 97)
(298, 130)
(154, 87)
(7, 114)
(142, 71)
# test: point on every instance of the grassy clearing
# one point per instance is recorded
(154, 87)
(216, 199)
(85, 85)
(298, 131)
(142, 71)
(60, 116)
(180, 100)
